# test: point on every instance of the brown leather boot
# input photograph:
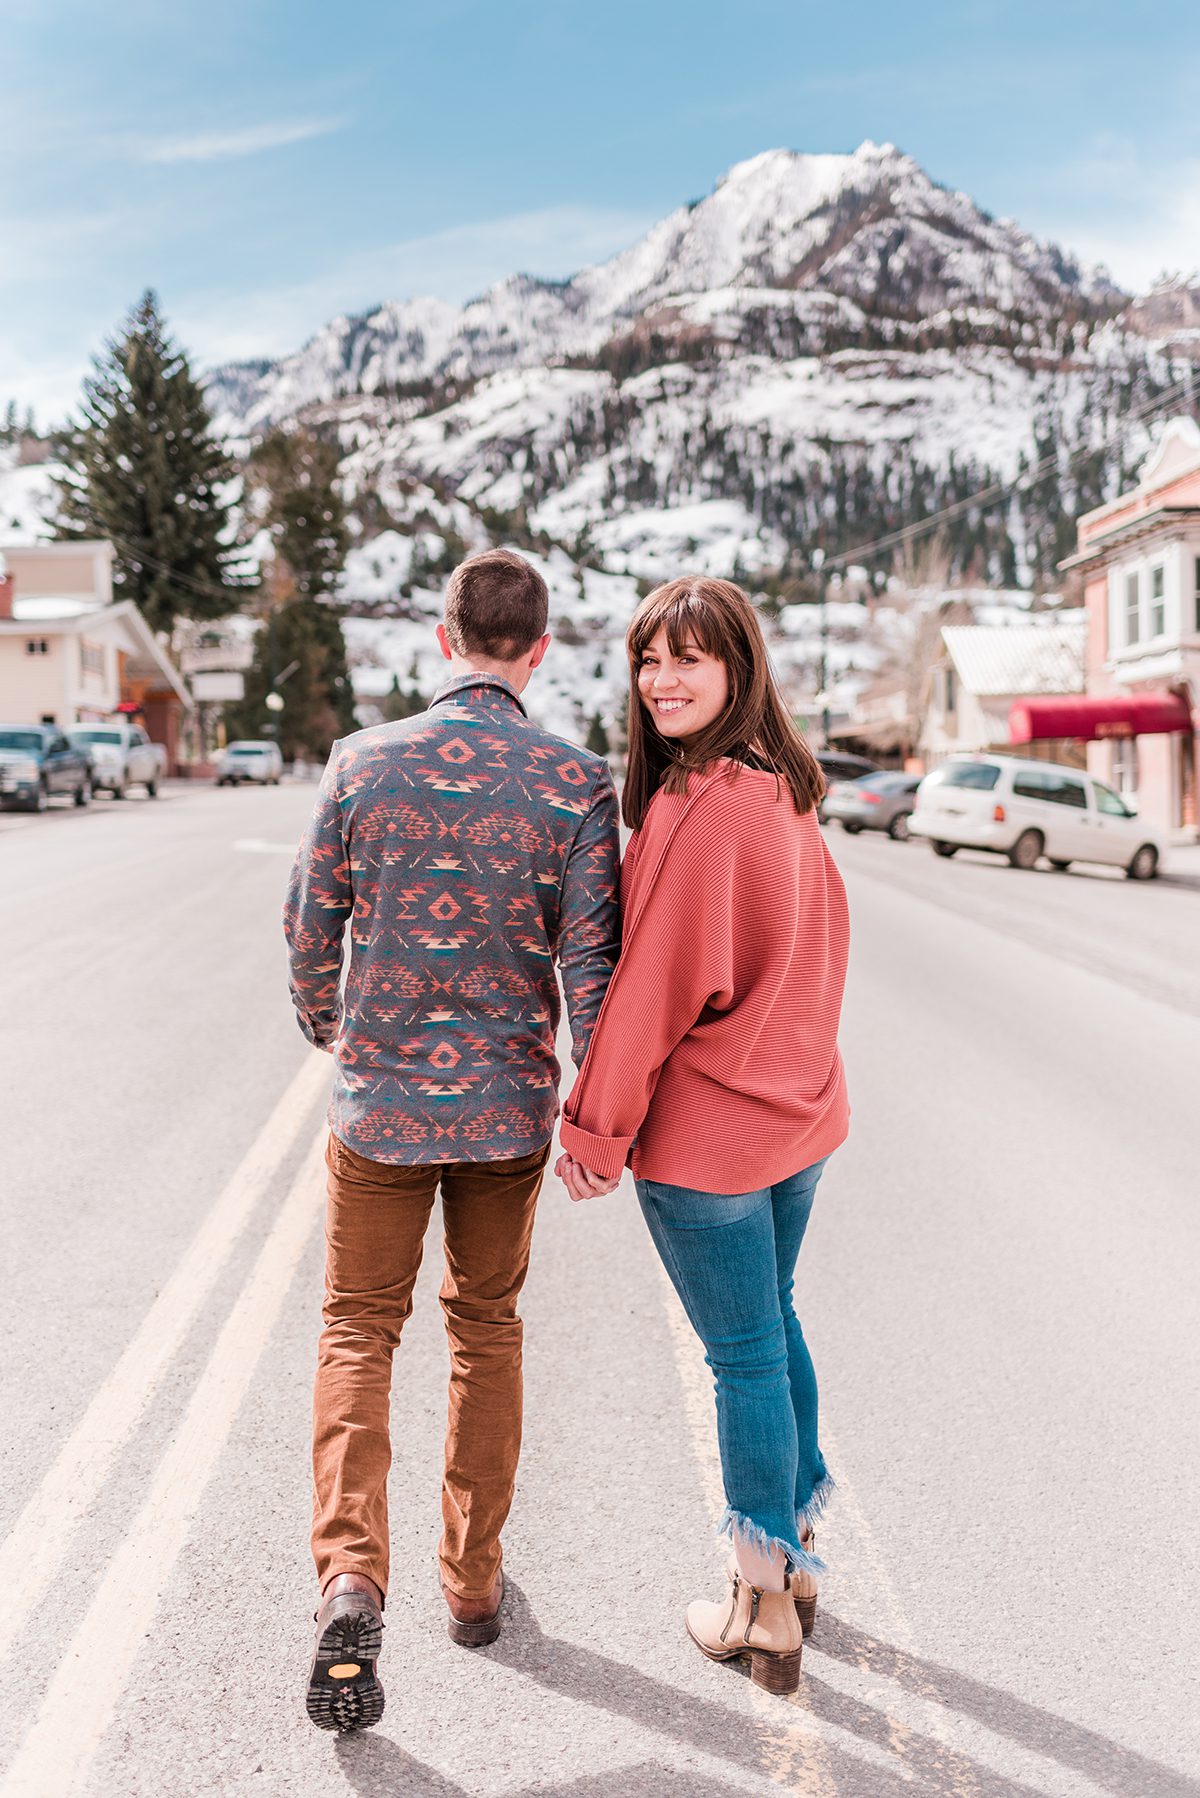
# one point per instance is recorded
(474, 1622)
(343, 1689)
(763, 1625)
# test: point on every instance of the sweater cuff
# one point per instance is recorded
(603, 1155)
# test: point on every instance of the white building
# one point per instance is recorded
(983, 669)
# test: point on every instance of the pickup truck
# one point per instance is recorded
(36, 762)
(123, 755)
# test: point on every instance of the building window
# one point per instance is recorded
(37, 646)
(1132, 605)
(1158, 599)
(1124, 764)
(91, 656)
(1196, 597)
(951, 692)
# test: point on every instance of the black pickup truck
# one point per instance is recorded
(36, 763)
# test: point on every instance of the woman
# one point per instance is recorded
(714, 1070)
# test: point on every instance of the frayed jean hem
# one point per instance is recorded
(740, 1528)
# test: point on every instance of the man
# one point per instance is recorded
(469, 850)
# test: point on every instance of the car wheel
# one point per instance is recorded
(83, 794)
(118, 789)
(41, 798)
(1144, 865)
(898, 828)
(152, 789)
(1059, 866)
(1026, 852)
(946, 849)
(851, 829)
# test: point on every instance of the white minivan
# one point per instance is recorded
(1027, 810)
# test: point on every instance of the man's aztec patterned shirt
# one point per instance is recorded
(469, 851)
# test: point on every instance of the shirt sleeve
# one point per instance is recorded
(589, 933)
(319, 900)
(676, 962)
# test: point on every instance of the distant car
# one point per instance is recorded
(837, 766)
(882, 801)
(250, 761)
(124, 757)
(1026, 810)
(36, 763)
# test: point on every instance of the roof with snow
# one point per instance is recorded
(1018, 658)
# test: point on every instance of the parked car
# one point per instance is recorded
(882, 801)
(124, 757)
(1026, 810)
(36, 763)
(250, 761)
(837, 766)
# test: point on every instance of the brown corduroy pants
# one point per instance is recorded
(375, 1229)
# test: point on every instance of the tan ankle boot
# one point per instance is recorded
(763, 1625)
(801, 1584)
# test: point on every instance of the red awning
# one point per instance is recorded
(1087, 716)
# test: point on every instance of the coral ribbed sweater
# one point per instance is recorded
(716, 1044)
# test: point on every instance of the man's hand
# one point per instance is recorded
(580, 1181)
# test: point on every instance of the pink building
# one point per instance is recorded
(1140, 561)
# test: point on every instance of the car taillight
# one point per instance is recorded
(873, 798)
(997, 814)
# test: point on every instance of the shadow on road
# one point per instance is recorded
(1105, 1762)
(378, 1768)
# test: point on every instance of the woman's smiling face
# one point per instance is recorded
(683, 693)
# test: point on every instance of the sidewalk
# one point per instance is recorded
(1181, 864)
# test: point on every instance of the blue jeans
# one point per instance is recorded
(732, 1258)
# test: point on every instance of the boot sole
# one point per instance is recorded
(773, 1672)
(344, 1691)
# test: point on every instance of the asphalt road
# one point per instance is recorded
(999, 1285)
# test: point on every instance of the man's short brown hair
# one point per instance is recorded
(496, 606)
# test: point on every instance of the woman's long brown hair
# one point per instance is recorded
(754, 731)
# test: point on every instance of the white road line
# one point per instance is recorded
(37, 1544)
(62, 1742)
(793, 1753)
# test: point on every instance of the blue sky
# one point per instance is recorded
(267, 165)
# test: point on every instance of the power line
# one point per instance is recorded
(992, 495)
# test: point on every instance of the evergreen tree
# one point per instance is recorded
(318, 699)
(597, 736)
(144, 470)
(292, 494)
(292, 480)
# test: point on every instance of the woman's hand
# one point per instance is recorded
(580, 1181)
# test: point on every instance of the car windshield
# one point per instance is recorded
(980, 775)
(95, 736)
(248, 749)
(21, 739)
(884, 783)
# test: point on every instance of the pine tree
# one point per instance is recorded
(292, 494)
(292, 479)
(318, 699)
(597, 736)
(145, 471)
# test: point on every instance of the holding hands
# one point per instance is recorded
(580, 1181)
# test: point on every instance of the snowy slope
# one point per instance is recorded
(868, 227)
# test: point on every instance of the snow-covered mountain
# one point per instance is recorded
(822, 240)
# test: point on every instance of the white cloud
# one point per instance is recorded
(214, 146)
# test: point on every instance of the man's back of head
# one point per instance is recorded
(496, 608)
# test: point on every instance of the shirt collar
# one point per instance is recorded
(493, 690)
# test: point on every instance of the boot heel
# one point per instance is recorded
(776, 1672)
(806, 1610)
